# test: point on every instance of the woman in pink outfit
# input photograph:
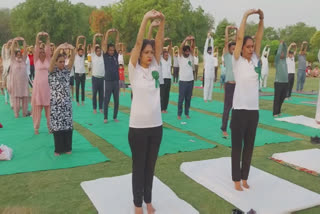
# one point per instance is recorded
(41, 91)
(19, 89)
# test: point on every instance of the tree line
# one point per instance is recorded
(64, 21)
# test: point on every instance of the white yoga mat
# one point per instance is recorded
(309, 159)
(302, 120)
(268, 194)
(114, 196)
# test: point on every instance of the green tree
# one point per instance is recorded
(297, 33)
(219, 37)
(5, 30)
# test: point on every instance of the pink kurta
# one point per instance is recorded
(41, 90)
(18, 78)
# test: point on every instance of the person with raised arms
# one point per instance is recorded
(6, 60)
(229, 81)
(111, 77)
(281, 80)
(209, 68)
(186, 75)
(265, 66)
(60, 100)
(98, 72)
(175, 64)
(165, 66)
(245, 107)
(216, 63)
(302, 66)
(79, 68)
(19, 89)
(145, 126)
(41, 92)
(291, 64)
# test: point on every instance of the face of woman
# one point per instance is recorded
(146, 56)
(60, 63)
(247, 49)
(42, 54)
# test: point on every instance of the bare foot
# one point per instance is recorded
(94, 111)
(78, 104)
(138, 210)
(225, 134)
(56, 154)
(82, 103)
(188, 117)
(101, 111)
(150, 209)
(206, 101)
(163, 111)
(166, 112)
(116, 120)
(245, 184)
(68, 153)
(105, 121)
(276, 115)
(179, 117)
(237, 186)
(36, 132)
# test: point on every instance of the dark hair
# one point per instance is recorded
(231, 44)
(147, 42)
(186, 48)
(16, 52)
(59, 55)
(97, 47)
(110, 45)
(80, 49)
(290, 52)
(245, 39)
(209, 49)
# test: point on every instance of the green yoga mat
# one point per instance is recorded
(209, 126)
(265, 116)
(35, 152)
(293, 100)
(271, 90)
(117, 133)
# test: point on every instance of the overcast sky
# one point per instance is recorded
(278, 13)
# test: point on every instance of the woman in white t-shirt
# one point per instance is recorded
(245, 112)
(145, 126)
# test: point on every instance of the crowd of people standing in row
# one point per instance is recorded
(150, 75)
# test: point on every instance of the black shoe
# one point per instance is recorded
(237, 211)
(315, 140)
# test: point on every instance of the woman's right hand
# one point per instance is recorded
(251, 11)
(153, 14)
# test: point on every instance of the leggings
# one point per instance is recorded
(144, 144)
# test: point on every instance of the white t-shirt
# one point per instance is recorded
(120, 59)
(186, 68)
(97, 65)
(246, 93)
(265, 66)
(145, 107)
(79, 64)
(291, 64)
(215, 61)
(176, 62)
(196, 60)
(166, 67)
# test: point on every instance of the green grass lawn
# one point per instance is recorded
(59, 191)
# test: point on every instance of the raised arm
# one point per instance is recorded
(73, 54)
(240, 35)
(54, 58)
(155, 23)
(305, 46)
(106, 37)
(259, 34)
(206, 45)
(95, 40)
(182, 45)
(117, 40)
(295, 49)
(192, 44)
(278, 54)
(170, 50)
(135, 53)
(159, 41)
